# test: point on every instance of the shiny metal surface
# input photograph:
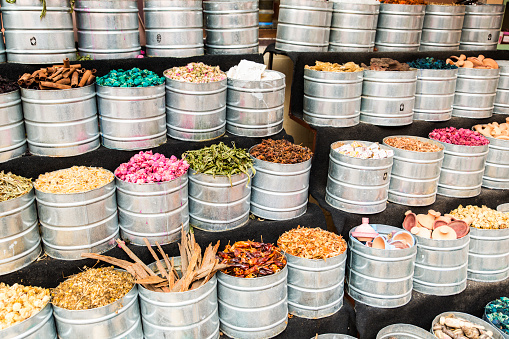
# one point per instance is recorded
(481, 28)
(488, 255)
(496, 171)
(501, 105)
(40, 325)
(434, 94)
(12, 128)
(3, 57)
(471, 318)
(442, 27)
(403, 331)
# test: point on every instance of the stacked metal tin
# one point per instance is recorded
(481, 28)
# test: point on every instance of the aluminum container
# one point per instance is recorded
(462, 170)
(471, 318)
(380, 278)
(332, 98)
(304, 25)
(388, 97)
(357, 185)
(434, 94)
(13, 143)
(481, 28)
(353, 26)
(30, 39)
(77, 223)
(441, 266)
(280, 191)
(155, 211)
(61, 123)
(255, 108)
(332, 336)
(503, 208)
(415, 175)
(20, 242)
(195, 111)
(231, 26)
(441, 30)
(40, 325)
(132, 118)
(488, 255)
(253, 308)
(120, 319)
(190, 314)
(403, 331)
(3, 57)
(108, 29)
(502, 98)
(399, 27)
(496, 171)
(315, 286)
(173, 28)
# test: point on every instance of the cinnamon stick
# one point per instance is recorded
(90, 80)
(54, 85)
(74, 79)
(133, 256)
(158, 263)
(85, 77)
(67, 64)
(64, 81)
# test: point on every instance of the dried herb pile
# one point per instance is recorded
(75, 179)
(13, 186)
(386, 64)
(335, 67)
(7, 85)
(411, 144)
(311, 243)
(404, 2)
(482, 217)
(19, 303)
(281, 152)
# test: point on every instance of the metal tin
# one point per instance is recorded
(315, 286)
(399, 27)
(441, 29)
(155, 211)
(108, 29)
(218, 203)
(441, 266)
(61, 123)
(253, 308)
(304, 25)
(471, 318)
(332, 98)
(332, 336)
(403, 331)
(132, 118)
(173, 28)
(195, 111)
(40, 325)
(481, 27)
(503, 208)
(30, 39)
(3, 57)
(415, 175)
(496, 171)
(13, 143)
(120, 319)
(20, 242)
(231, 27)
(434, 93)
(462, 170)
(501, 105)
(388, 97)
(77, 223)
(353, 26)
(488, 255)
(357, 185)
(485, 318)
(255, 108)
(380, 278)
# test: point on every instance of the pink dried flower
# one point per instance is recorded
(461, 136)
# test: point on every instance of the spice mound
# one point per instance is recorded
(75, 179)
(13, 186)
(497, 312)
(482, 217)
(452, 326)
(18, 303)
(386, 64)
(411, 144)
(281, 152)
(494, 130)
(146, 167)
(93, 288)
(7, 85)
(431, 63)
(363, 151)
(472, 62)
(249, 259)
(461, 136)
(311, 243)
(335, 67)
(404, 2)
(196, 72)
(132, 78)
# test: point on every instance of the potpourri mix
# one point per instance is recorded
(404, 2)
(411, 144)
(134, 77)
(359, 150)
(7, 85)
(482, 217)
(311, 243)
(386, 64)
(461, 136)
(196, 72)
(13, 186)
(431, 63)
(335, 67)
(494, 130)
(497, 312)
(251, 71)
(75, 179)
(18, 303)
(281, 151)
(454, 327)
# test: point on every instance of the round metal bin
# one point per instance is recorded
(304, 25)
(253, 308)
(380, 278)
(462, 170)
(13, 142)
(353, 26)
(503, 208)
(481, 28)
(195, 111)
(20, 242)
(434, 94)
(108, 29)
(61, 123)
(357, 185)
(77, 223)
(441, 30)
(332, 98)
(403, 331)
(315, 286)
(501, 105)
(40, 325)
(120, 319)
(488, 255)
(3, 57)
(415, 175)
(180, 314)
(30, 39)
(441, 266)
(155, 211)
(132, 118)
(173, 28)
(280, 191)
(496, 333)
(231, 26)
(399, 27)
(255, 108)
(388, 97)
(496, 171)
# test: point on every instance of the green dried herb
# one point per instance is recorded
(13, 186)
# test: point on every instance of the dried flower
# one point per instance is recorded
(412, 144)
(18, 303)
(13, 186)
(461, 136)
(311, 243)
(76, 179)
